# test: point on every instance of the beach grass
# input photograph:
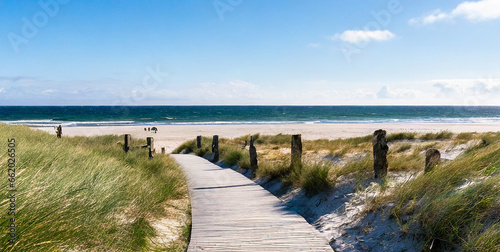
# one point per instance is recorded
(87, 194)
(455, 206)
(459, 201)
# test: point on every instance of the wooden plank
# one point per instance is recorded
(232, 213)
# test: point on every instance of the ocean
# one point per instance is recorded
(40, 116)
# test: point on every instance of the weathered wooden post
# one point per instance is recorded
(59, 131)
(163, 150)
(215, 148)
(432, 157)
(296, 151)
(198, 142)
(253, 159)
(126, 145)
(150, 143)
(380, 149)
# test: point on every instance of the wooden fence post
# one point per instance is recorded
(126, 145)
(380, 149)
(253, 159)
(215, 148)
(296, 151)
(151, 144)
(432, 157)
(163, 150)
(198, 142)
(59, 131)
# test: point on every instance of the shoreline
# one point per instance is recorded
(171, 136)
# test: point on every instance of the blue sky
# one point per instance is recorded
(226, 52)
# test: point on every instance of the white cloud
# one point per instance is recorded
(436, 15)
(49, 91)
(478, 11)
(360, 36)
(469, 87)
(485, 91)
(322, 92)
(388, 93)
(468, 91)
(472, 11)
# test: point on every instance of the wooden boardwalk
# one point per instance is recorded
(232, 213)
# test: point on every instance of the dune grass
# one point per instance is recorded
(315, 178)
(86, 194)
(458, 203)
(401, 136)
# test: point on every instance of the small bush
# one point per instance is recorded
(403, 148)
(279, 139)
(274, 170)
(401, 136)
(190, 146)
(202, 151)
(489, 139)
(465, 136)
(359, 140)
(315, 179)
(232, 157)
(364, 164)
(452, 218)
(443, 135)
(489, 240)
(186, 147)
(405, 162)
(244, 162)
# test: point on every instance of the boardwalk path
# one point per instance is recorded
(232, 213)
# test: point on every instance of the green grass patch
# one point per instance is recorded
(401, 136)
(232, 156)
(314, 178)
(85, 193)
(280, 139)
(401, 147)
(489, 240)
(465, 136)
(458, 202)
(443, 135)
(276, 169)
(406, 162)
(190, 147)
(361, 165)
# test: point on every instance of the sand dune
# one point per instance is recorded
(171, 136)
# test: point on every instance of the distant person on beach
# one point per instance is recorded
(154, 129)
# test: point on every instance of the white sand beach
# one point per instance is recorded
(171, 136)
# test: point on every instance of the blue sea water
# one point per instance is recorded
(154, 115)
